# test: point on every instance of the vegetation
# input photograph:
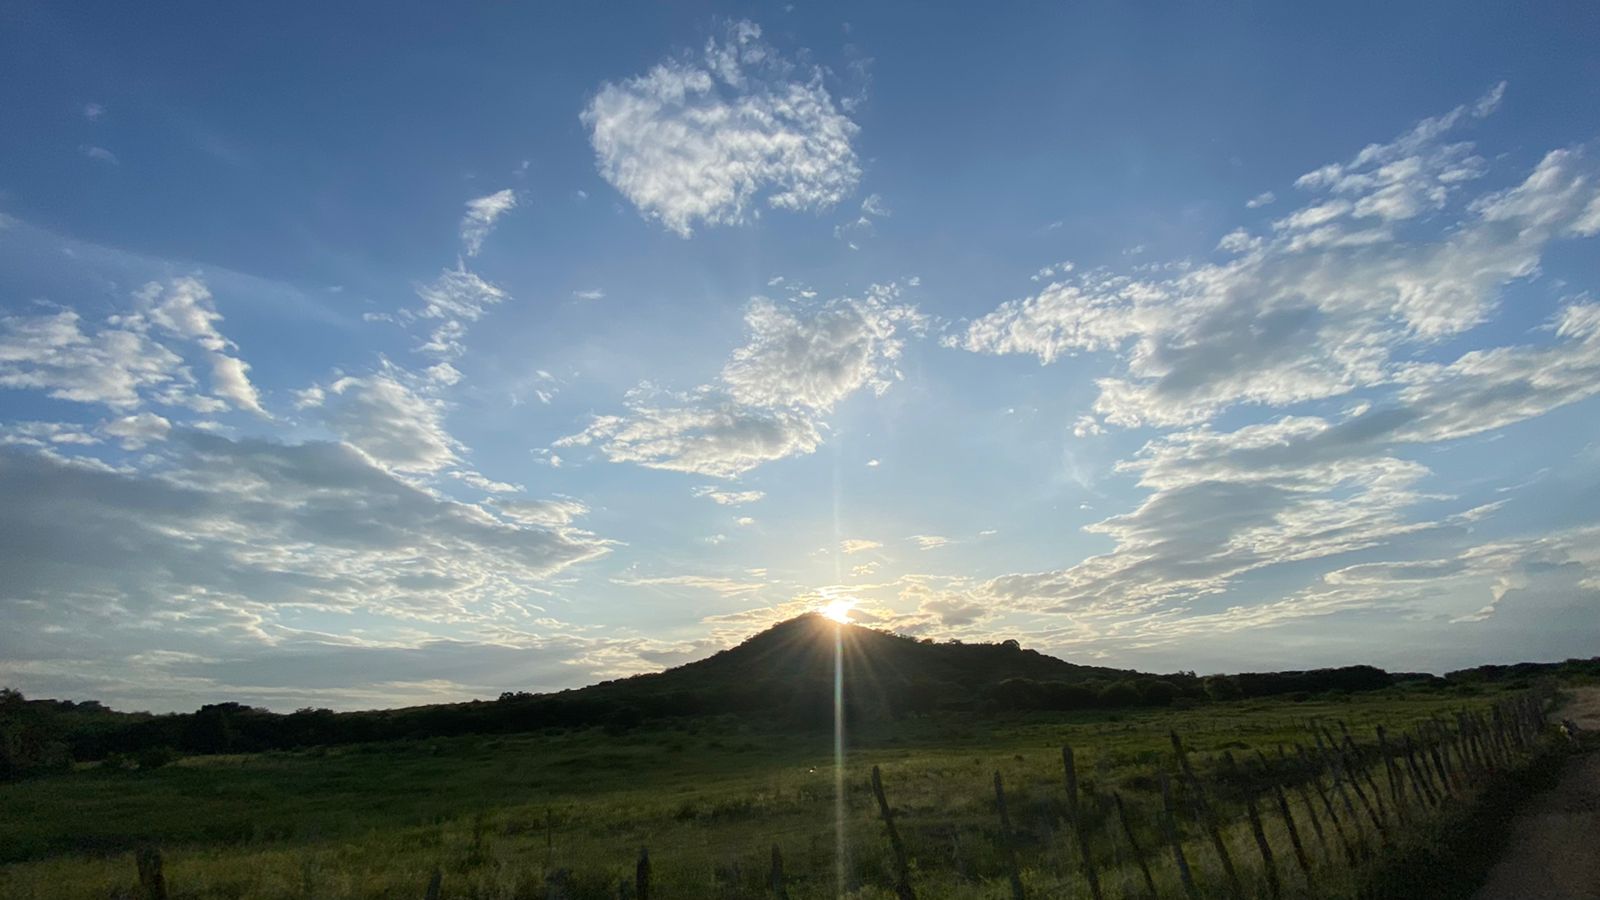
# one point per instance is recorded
(562, 810)
(782, 677)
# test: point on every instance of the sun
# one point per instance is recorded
(838, 610)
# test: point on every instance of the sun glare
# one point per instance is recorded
(838, 610)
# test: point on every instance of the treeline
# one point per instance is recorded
(49, 735)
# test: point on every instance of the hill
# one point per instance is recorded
(783, 676)
(789, 670)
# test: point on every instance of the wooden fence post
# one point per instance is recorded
(151, 879)
(1076, 819)
(1345, 762)
(1169, 828)
(1268, 865)
(1017, 892)
(1311, 809)
(1209, 816)
(1288, 823)
(902, 867)
(1418, 781)
(1315, 777)
(434, 884)
(1133, 843)
(1397, 794)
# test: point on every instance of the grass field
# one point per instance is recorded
(498, 815)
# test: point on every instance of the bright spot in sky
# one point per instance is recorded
(838, 610)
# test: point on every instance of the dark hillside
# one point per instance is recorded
(789, 670)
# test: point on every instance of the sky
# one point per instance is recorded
(373, 355)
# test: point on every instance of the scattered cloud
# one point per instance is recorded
(452, 300)
(727, 498)
(799, 361)
(136, 431)
(208, 549)
(481, 216)
(851, 546)
(702, 137)
(390, 423)
(133, 357)
(1325, 303)
(929, 541)
(100, 154)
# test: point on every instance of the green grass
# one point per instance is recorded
(710, 799)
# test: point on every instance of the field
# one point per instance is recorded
(565, 813)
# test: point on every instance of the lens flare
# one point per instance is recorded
(838, 610)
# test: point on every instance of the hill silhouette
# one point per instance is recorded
(783, 676)
(788, 669)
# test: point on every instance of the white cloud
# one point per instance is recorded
(111, 366)
(184, 308)
(553, 513)
(456, 297)
(727, 587)
(1324, 304)
(727, 498)
(701, 138)
(1224, 503)
(1262, 199)
(851, 546)
(207, 553)
(800, 360)
(701, 435)
(589, 295)
(929, 541)
(138, 430)
(123, 362)
(390, 423)
(93, 111)
(481, 216)
(100, 154)
(815, 357)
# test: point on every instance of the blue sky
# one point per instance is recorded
(368, 356)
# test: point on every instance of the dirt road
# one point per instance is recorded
(1554, 853)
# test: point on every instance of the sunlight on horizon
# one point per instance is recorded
(838, 610)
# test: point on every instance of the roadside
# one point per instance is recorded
(1554, 851)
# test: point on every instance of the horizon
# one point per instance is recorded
(360, 364)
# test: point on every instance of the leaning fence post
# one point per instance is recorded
(1169, 828)
(1419, 775)
(1337, 776)
(1017, 892)
(1267, 863)
(1075, 817)
(1311, 809)
(1288, 823)
(434, 884)
(151, 879)
(1396, 793)
(1348, 765)
(1209, 815)
(1327, 805)
(1133, 842)
(902, 868)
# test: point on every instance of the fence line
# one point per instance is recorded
(1431, 765)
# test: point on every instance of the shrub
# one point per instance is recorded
(156, 757)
